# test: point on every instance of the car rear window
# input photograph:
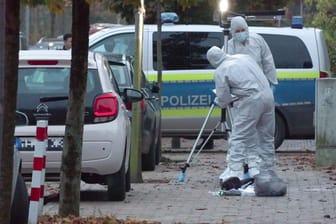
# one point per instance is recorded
(36, 83)
(50, 80)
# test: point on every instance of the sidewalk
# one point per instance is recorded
(311, 192)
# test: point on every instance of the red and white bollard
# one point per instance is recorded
(38, 176)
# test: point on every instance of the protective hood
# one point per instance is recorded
(216, 56)
(238, 22)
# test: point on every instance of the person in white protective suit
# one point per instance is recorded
(245, 42)
(252, 136)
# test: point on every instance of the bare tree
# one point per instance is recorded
(9, 48)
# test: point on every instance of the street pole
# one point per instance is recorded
(223, 22)
(136, 141)
(27, 25)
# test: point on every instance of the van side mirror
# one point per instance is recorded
(155, 87)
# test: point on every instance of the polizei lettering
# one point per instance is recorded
(186, 101)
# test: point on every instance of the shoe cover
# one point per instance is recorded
(253, 172)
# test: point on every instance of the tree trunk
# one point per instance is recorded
(9, 48)
(136, 167)
(73, 139)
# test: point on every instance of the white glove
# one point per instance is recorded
(273, 88)
(215, 101)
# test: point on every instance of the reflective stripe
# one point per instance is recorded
(209, 76)
(298, 75)
(189, 112)
(183, 76)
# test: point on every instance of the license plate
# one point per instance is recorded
(28, 144)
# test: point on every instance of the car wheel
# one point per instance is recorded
(116, 184)
(280, 131)
(149, 159)
(128, 177)
(20, 205)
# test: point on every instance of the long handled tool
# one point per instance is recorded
(190, 157)
(225, 127)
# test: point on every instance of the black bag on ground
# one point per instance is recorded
(267, 183)
(235, 183)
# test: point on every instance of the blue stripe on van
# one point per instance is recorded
(198, 94)
(188, 94)
(295, 91)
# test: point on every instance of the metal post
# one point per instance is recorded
(27, 25)
(226, 31)
(39, 164)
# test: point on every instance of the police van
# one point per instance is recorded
(300, 57)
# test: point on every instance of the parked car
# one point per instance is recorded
(20, 198)
(48, 44)
(107, 130)
(122, 68)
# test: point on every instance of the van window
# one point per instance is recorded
(118, 44)
(186, 50)
(288, 51)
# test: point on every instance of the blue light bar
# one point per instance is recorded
(297, 22)
(169, 17)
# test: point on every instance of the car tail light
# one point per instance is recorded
(323, 75)
(42, 62)
(128, 105)
(105, 107)
(142, 105)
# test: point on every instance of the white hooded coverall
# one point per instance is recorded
(255, 46)
(253, 126)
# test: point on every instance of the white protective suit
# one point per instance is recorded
(252, 135)
(255, 46)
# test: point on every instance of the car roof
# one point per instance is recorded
(60, 57)
(201, 28)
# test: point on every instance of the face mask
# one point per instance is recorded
(241, 36)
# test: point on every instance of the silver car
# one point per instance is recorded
(107, 130)
(122, 68)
